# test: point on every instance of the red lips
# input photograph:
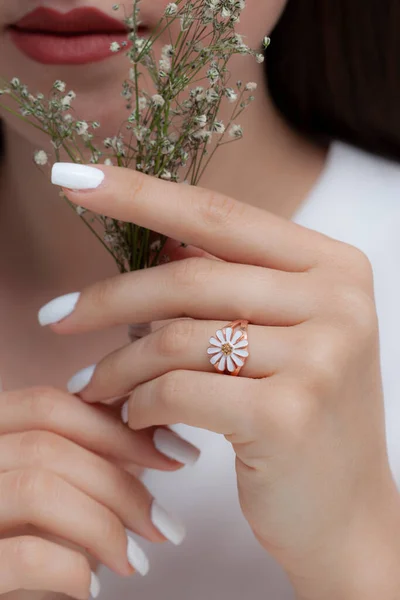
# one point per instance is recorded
(79, 20)
(80, 36)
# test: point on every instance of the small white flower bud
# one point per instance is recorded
(266, 42)
(218, 127)
(66, 101)
(115, 47)
(157, 100)
(59, 85)
(41, 158)
(164, 65)
(201, 120)
(167, 51)
(81, 127)
(236, 131)
(142, 103)
(171, 9)
(230, 94)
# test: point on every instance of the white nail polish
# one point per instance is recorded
(80, 380)
(137, 557)
(169, 526)
(76, 177)
(94, 586)
(58, 309)
(175, 447)
(125, 412)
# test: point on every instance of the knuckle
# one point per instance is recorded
(217, 210)
(29, 554)
(101, 293)
(174, 338)
(296, 413)
(358, 310)
(35, 488)
(134, 187)
(42, 404)
(320, 359)
(191, 271)
(357, 257)
(35, 556)
(168, 388)
(38, 446)
(355, 262)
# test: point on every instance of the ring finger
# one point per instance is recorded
(181, 344)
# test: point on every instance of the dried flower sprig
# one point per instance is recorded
(172, 133)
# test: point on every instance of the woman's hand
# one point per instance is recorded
(64, 496)
(306, 415)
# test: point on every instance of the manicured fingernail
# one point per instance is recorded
(94, 585)
(137, 557)
(58, 309)
(125, 412)
(175, 447)
(76, 177)
(169, 526)
(80, 380)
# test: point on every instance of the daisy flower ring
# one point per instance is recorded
(229, 348)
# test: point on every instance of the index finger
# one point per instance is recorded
(227, 228)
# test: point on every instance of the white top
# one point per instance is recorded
(356, 200)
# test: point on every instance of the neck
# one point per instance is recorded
(47, 244)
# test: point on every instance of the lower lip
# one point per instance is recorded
(52, 49)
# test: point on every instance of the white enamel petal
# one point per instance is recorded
(237, 360)
(220, 336)
(228, 333)
(236, 336)
(215, 342)
(241, 352)
(215, 358)
(229, 364)
(241, 344)
(221, 365)
(213, 350)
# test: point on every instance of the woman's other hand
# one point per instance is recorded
(68, 495)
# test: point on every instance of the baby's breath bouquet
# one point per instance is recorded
(172, 133)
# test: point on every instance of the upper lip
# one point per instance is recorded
(79, 20)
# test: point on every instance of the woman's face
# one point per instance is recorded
(97, 83)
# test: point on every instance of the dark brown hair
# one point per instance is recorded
(333, 71)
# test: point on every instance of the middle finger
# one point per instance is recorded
(197, 287)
